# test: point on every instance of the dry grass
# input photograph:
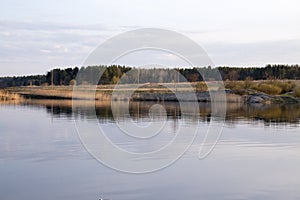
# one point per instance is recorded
(201, 87)
(8, 97)
(273, 87)
(234, 98)
(5, 95)
(296, 91)
(104, 92)
(268, 88)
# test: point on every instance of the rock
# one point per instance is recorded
(258, 98)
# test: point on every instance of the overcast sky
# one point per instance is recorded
(37, 35)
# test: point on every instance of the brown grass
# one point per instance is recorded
(296, 91)
(8, 97)
(273, 87)
(267, 88)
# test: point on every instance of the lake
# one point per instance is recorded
(42, 157)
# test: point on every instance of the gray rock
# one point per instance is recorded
(258, 98)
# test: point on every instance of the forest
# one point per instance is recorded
(112, 74)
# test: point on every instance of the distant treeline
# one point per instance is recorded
(112, 75)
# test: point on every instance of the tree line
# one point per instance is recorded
(114, 73)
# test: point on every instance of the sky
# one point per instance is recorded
(38, 35)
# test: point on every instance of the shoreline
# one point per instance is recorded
(151, 92)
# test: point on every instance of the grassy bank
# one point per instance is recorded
(235, 90)
(271, 87)
(147, 92)
(103, 92)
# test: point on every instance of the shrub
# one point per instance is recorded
(296, 91)
(201, 86)
(115, 80)
(268, 89)
(72, 82)
(234, 85)
(248, 83)
(285, 86)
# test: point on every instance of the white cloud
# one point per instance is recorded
(43, 46)
(36, 36)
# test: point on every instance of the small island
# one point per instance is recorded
(264, 85)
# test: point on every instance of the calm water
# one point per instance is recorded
(41, 156)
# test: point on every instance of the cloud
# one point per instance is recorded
(35, 26)
(41, 46)
(35, 47)
(255, 53)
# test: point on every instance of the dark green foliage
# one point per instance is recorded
(22, 81)
(270, 72)
(114, 73)
(61, 76)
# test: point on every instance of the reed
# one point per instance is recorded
(6, 96)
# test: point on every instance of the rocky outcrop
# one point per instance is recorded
(254, 98)
(258, 98)
(261, 98)
(187, 96)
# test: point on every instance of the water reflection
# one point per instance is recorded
(44, 159)
(236, 112)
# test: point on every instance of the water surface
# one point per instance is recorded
(41, 156)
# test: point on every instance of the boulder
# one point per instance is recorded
(258, 98)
